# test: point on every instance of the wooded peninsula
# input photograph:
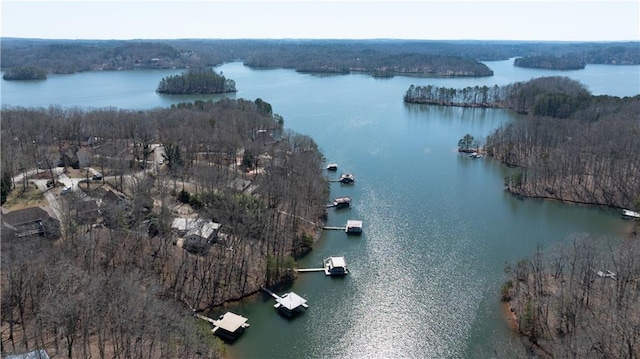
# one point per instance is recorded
(564, 149)
(230, 162)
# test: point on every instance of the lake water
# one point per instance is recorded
(438, 227)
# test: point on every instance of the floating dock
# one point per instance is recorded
(354, 227)
(342, 202)
(347, 178)
(288, 304)
(335, 266)
(228, 325)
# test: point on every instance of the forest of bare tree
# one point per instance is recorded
(581, 300)
(119, 286)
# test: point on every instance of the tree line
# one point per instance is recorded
(125, 288)
(196, 81)
(554, 96)
(377, 57)
(476, 96)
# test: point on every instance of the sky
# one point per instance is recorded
(537, 20)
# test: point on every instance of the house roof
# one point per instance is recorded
(30, 221)
(205, 231)
(239, 184)
(114, 196)
(26, 215)
(197, 226)
(87, 209)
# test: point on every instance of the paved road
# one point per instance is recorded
(75, 182)
(49, 193)
(51, 198)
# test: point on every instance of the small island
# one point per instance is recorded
(550, 62)
(196, 81)
(25, 73)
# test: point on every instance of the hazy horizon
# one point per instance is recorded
(471, 20)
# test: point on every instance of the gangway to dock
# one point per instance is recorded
(334, 228)
(274, 295)
(310, 270)
(203, 317)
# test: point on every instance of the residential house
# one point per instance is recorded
(197, 229)
(115, 207)
(198, 233)
(30, 222)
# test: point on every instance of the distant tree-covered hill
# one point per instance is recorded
(376, 57)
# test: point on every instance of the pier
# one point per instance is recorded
(335, 228)
(304, 270)
(274, 295)
(205, 318)
(353, 226)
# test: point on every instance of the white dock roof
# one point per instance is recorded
(338, 261)
(354, 223)
(291, 301)
(231, 322)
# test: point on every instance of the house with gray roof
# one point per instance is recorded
(30, 222)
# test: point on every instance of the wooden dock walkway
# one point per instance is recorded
(205, 318)
(310, 270)
(335, 228)
(271, 293)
